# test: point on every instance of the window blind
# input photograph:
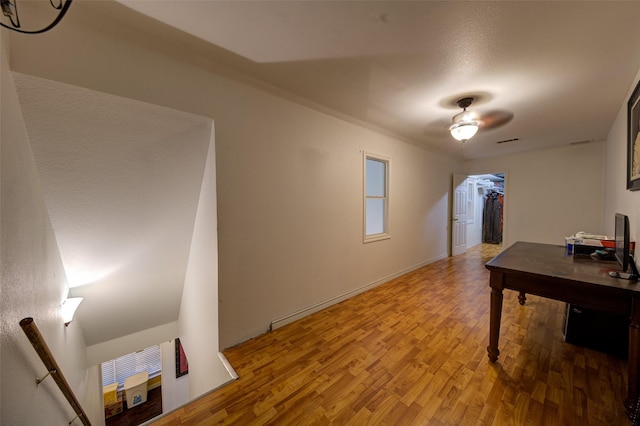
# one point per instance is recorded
(116, 370)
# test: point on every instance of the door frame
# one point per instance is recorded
(505, 206)
(460, 179)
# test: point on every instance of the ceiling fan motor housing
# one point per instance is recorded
(464, 102)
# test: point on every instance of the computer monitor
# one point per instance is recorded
(622, 250)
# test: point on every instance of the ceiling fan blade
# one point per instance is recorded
(496, 118)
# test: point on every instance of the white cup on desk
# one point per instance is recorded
(569, 243)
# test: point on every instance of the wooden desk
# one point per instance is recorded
(546, 270)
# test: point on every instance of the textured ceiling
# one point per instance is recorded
(560, 70)
(121, 180)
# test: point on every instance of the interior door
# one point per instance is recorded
(459, 217)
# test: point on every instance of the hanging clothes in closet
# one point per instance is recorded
(492, 218)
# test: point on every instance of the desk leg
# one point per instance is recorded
(634, 358)
(494, 324)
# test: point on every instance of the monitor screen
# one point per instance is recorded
(622, 240)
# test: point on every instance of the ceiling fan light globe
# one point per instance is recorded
(463, 131)
(464, 117)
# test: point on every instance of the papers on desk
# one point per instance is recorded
(586, 236)
(590, 242)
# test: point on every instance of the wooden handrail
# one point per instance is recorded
(33, 334)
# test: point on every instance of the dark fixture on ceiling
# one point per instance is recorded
(466, 124)
(10, 11)
(508, 140)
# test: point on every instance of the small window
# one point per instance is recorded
(118, 369)
(376, 198)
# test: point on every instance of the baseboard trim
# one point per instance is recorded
(233, 376)
(294, 316)
(228, 366)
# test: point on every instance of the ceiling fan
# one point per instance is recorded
(465, 124)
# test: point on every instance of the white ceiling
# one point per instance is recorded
(121, 179)
(561, 69)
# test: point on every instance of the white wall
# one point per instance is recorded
(550, 193)
(111, 349)
(33, 284)
(175, 391)
(290, 208)
(617, 199)
(199, 310)
(289, 178)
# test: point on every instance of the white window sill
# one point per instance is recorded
(376, 237)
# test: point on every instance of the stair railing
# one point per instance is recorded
(33, 334)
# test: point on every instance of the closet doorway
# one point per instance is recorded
(484, 206)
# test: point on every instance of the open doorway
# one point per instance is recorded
(481, 199)
(132, 387)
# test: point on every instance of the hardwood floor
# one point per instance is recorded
(413, 352)
(139, 414)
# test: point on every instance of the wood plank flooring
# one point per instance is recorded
(413, 352)
(139, 414)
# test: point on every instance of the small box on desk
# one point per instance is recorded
(593, 252)
(611, 244)
(113, 408)
(110, 393)
(587, 247)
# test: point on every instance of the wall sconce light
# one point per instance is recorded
(69, 307)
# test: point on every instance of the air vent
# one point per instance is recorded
(508, 140)
(579, 142)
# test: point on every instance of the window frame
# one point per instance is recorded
(130, 364)
(385, 235)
